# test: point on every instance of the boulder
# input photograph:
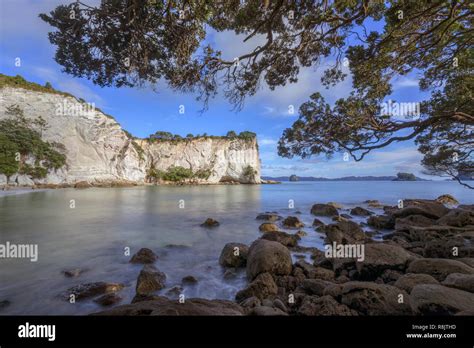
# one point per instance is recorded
(460, 281)
(108, 299)
(384, 222)
(408, 281)
(427, 208)
(457, 218)
(209, 222)
(261, 287)
(144, 256)
(268, 227)
(234, 255)
(359, 211)
(434, 299)
(164, 306)
(150, 280)
(286, 239)
(324, 306)
(315, 286)
(380, 257)
(369, 298)
(268, 256)
(269, 216)
(439, 268)
(267, 311)
(324, 210)
(87, 290)
(314, 271)
(413, 220)
(344, 232)
(447, 200)
(292, 222)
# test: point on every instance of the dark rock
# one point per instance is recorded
(460, 281)
(433, 299)
(73, 272)
(344, 232)
(346, 216)
(439, 268)
(4, 304)
(369, 298)
(267, 311)
(443, 248)
(315, 286)
(251, 302)
(189, 280)
(144, 255)
(268, 227)
(277, 303)
(268, 256)
(324, 306)
(234, 255)
(261, 287)
(150, 280)
(292, 222)
(359, 211)
(271, 217)
(427, 208)
(88, 290)
(283, 238)
(317, 223)
(164, 306)
(408, 281)
(384, 222)
(458, 218)
(108, 299)
(413, 220)
(175, 291)
(210, 223)
(380, 257)
(324, 210)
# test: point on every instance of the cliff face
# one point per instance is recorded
(98, 150)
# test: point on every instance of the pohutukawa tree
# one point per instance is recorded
(132, 42)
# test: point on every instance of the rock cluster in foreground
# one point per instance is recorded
(423, 265)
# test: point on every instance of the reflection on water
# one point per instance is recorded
(93, 235)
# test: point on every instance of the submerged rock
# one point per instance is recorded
(88, 290)
(150, 280)
(268, 256)
(324, 210)
(144, 256)
(4, 304)
(73, 272)
(190, 280)
(210, 223)
(108, 299)
(234, 255)
(163, 306)
(269, 216)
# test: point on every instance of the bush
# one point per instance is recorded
(231, 134)
(177, 174)
(203, 174)
(249, 171)
(16, 135)
(246, 135)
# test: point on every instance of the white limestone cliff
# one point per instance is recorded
(98, 150)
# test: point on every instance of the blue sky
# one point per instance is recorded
(143, 111)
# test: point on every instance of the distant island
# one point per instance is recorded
(398, 177)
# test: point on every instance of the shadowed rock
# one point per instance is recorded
(210, 223)
(292, 222)
(144, 256)
(150, 280)
(88, 290)
(433, 299)
(234, 255)
(359, 211)
(324, 210)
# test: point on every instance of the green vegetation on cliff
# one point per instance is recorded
(20, 138)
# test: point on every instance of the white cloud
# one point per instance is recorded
(404, 82)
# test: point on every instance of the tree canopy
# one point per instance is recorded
(131, 42)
